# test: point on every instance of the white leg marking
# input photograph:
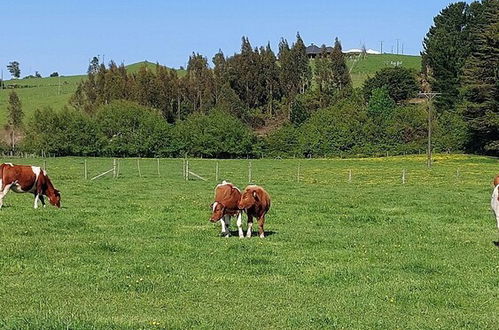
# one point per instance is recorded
(3, 193)
(248, 233)
(222, 222)
(262, 236)
(36, 201)
(240, 225)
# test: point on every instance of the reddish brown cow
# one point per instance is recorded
(496, 180)
(28, 179)
(256, 202)
(225, 206)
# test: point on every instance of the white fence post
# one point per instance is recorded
(138, 167)
(403, 176)
(186, 170)
(86, 172)
(349, 175)
(298, 174)
(114, 168)
(159, 174)
(216, 172)
(249, 172)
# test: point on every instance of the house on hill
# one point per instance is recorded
(314, 51)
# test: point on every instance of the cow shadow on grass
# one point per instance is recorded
(235, 233)
(496, 243)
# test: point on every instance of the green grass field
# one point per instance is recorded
(140, 252)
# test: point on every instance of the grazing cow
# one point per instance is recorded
(27, 179)
(494, 203)
(225, 205)
(256, 202)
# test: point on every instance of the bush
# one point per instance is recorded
(218, 134)
(133, 130)
(67, 132)
(400, 82)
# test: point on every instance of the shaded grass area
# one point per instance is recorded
(140, 253)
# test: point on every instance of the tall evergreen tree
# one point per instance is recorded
(290, 80)
(301, 62)
(339, 70)
(445, 48)
(481, 80)
(15, 115)
(271, 77)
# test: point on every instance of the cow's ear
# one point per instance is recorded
(211, 206)
(255, 195)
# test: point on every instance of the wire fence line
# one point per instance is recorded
(404, 170)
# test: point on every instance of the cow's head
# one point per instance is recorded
(55, 198)
(248, 199)
(217, 213)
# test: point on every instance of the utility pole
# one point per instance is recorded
(429, 96)
(381, 42)
(397, 46)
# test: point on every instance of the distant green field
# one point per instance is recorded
(37, 93)
(139, 252)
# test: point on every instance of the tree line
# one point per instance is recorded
(258, 102)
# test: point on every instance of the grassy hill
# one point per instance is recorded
(55, 92)
(362, 68)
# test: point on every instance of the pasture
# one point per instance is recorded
(139, 252)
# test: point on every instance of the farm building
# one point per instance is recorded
(314, 51)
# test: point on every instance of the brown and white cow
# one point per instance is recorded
(27, 179)
(494, 202)
(225, 206)
(256, 202)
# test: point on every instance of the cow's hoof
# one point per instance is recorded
(227, 236)
(262, 236)
(241, 236)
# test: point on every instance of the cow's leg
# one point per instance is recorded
(250, 224)
(36, 201)
(4, 192)
(227, 225)
(261, 222)
(240, 224)
(42, 199)
(222, 222)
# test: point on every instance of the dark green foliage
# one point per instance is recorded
(400, 82)
(339, 128)
(93, 66)
(283, 142)
(133, 130)
(217, 134)
(54, 74)
(339, 71)
(446, 46)
(15, 111)
(66, 132)
(14, 69)
(481, 80)
(409, 127)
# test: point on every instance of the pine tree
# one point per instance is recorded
(219, 74)
(446, 46)
(271, 77)
(323, 76)
(15, 115)
(290, 80)
(340, 75)
(481, 80)
(302, 65)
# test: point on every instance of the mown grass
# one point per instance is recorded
(140, 253)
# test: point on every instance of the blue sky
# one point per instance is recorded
(61, 35)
